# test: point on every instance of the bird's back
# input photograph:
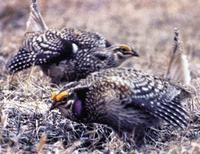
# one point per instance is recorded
(52, 46)
(134, 89)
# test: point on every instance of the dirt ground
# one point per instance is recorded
(26, 125)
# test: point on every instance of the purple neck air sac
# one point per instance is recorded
(77, 107)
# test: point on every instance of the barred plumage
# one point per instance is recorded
(61, 52)
(124, 99)
(84, 39)
(53, 46)
(87, 61)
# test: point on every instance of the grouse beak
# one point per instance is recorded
(57, 98)
(128, 50)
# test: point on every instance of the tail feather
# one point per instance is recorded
(24, 59)
(172, 110)
(163, 116)
(174, 115)
(177, 113)
(168, 118)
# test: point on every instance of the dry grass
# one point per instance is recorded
(26, 124)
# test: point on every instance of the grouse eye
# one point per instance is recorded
(77, 107)
(124, 51)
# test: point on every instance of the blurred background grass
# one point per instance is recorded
(147, 25)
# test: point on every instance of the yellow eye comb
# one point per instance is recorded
(125, 47)
(59, 96)
(128, 50)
